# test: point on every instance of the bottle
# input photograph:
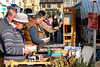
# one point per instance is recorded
(78, 52)
(70, 52)
(48, 50)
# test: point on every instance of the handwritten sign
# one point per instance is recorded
(93, 21)
(93, 0)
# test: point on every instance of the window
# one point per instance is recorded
(43, 5)
(43, 0)
(59, 5)
(48, 5)
(37, 10)
(74, 0)
(67, 4)
(53, 5)
(19, 3)
(31, 0)
(24, 0)
(13, 1)
(7, 0)
(67, 0)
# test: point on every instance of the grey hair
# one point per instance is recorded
(9, 13)
(38, 16)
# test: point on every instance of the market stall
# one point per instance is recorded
(47, 54)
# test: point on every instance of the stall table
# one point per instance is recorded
(12, 63)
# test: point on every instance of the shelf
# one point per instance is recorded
(97, 39)
(67, 24)
(67, 12)
(66, 35)
(69, 40)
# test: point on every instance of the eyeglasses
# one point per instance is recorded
(22, 23)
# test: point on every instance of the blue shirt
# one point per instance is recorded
(33, 34)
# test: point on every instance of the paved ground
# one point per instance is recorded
(59, 39)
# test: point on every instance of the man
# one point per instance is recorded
(7, 19)
(44, 15)
(44, 27)
(12, 40)
(32, 32)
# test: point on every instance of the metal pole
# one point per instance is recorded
(94, 34)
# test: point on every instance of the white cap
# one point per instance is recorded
(21, 17)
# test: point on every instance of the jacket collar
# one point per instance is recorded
(5, 19)
(35, 22)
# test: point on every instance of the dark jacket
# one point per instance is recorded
(3, 23)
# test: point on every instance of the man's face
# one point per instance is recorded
(13, 15)
(20, 25)
(39, 21)
(44, 17)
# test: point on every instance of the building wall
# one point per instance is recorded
(22, 3)
(17, 2)
(4, 4)
(36, 6)
(28, 4)
(51, 7)
(69, 3)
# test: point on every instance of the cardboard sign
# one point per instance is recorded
(93, 20)
(93, 0)
(87, 53)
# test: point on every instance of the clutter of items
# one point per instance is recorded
(26, 40)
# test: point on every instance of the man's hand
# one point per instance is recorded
(27, 51)
(28, 45)
(45, 41)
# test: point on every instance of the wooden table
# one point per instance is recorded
(12, 63)
(24, 62)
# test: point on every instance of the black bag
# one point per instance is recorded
(55, 22)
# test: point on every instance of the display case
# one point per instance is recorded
(69, 26)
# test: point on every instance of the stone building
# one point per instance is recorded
(70, 3)
(51, 5)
